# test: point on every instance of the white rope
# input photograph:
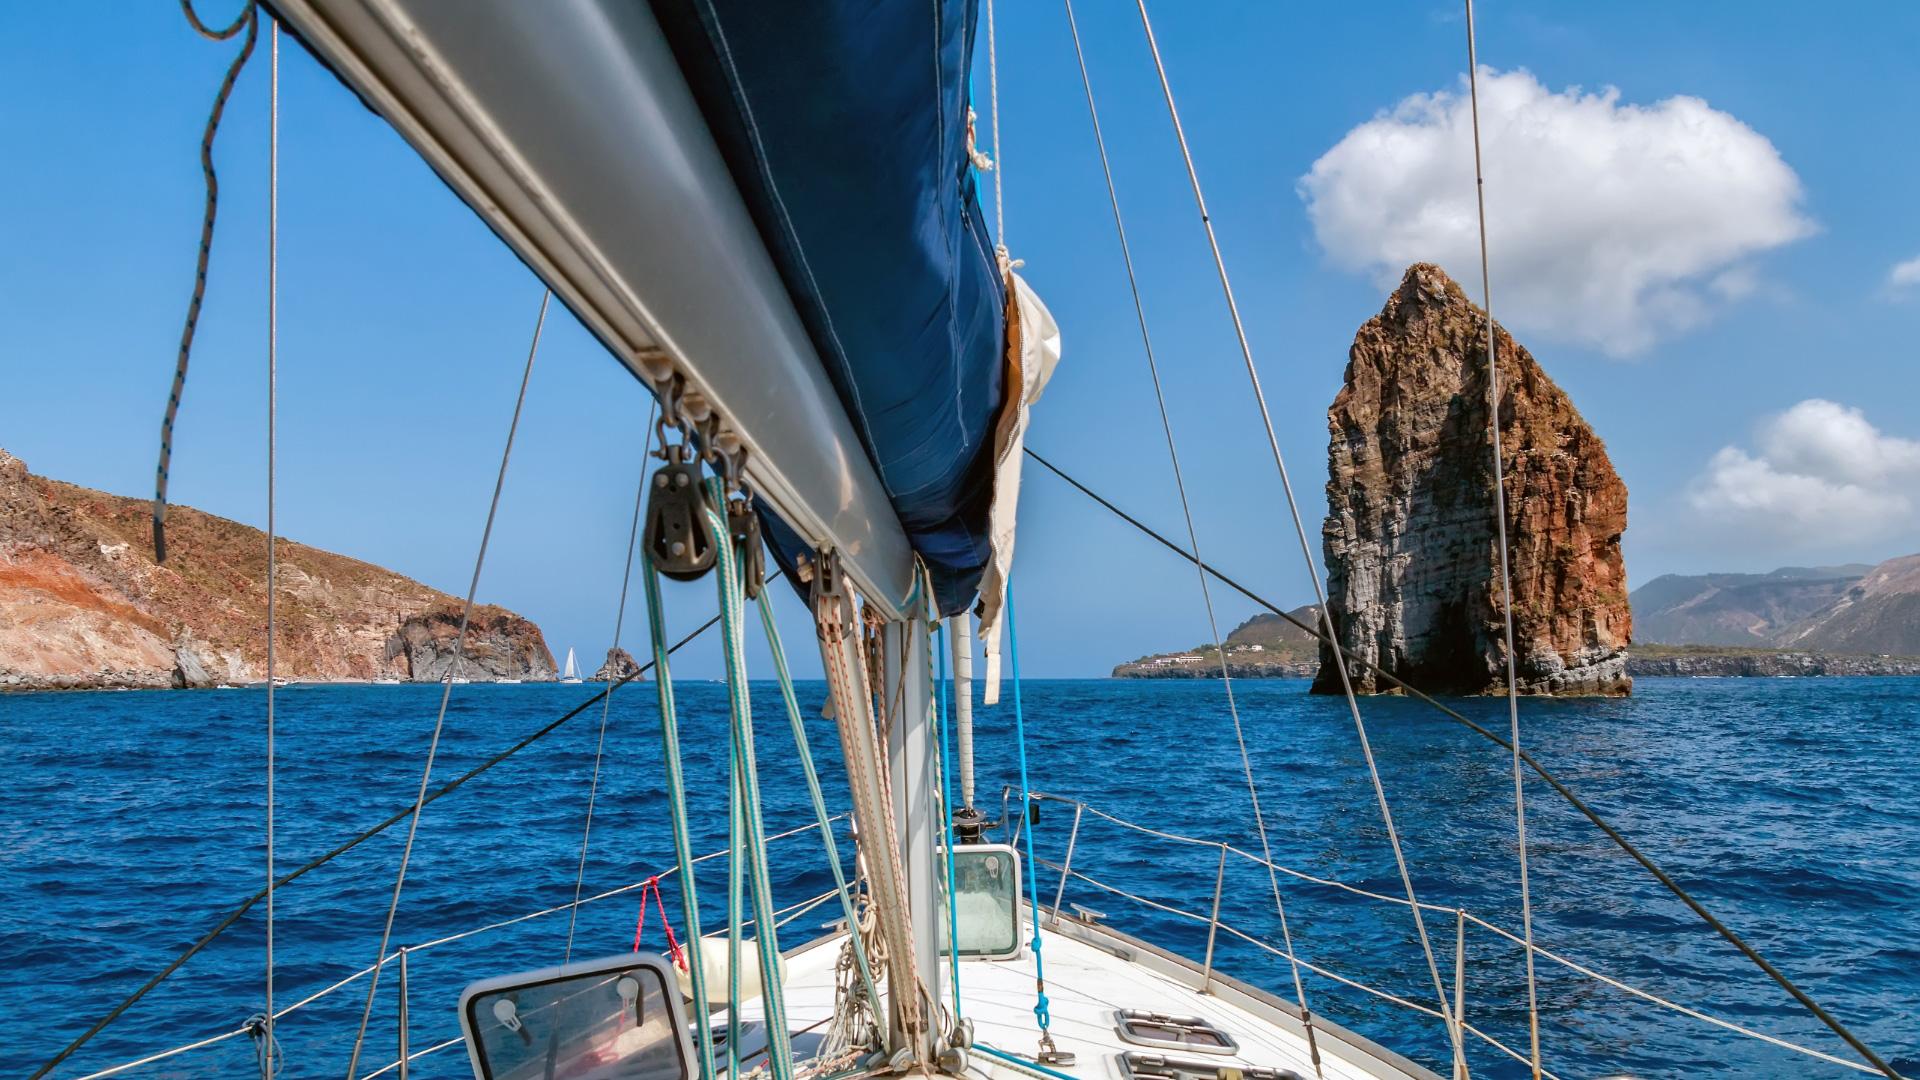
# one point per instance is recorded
(606, 704)
(1300, 531)
(999, 165)
(1500, 520)
(1193, 536)
(446, 685)
(273, 566)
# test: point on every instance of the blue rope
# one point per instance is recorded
(946, 825)
(677, 804)
(1026, 801)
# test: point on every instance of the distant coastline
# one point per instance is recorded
(1681, 661)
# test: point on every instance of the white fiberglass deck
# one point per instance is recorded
(1092, 973)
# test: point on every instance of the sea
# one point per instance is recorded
(133, 822)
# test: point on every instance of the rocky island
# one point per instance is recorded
(83, 605)
(1410, 545)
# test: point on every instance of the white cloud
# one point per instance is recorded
(1904, 276)
(1609, 224)
(1820, 472)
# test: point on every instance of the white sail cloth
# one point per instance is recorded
(1032, 351)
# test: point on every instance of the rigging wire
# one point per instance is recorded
(1300, 530)
(1506, 577)
(1619, 840)
(941, 717)
(1193, 538)
(248, 20)
(269, 1061)
(606, 705)
(446, 686)
(999, 168)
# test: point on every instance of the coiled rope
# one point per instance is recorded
(249, 21)
(1193, 538)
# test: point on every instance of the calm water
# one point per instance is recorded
(1789, 806)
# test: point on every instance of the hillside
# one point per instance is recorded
(1843, 610)
(83, 604)
(1264, 647)
(1735, 609)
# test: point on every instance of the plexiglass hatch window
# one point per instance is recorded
(613, 1019)
(986, 879)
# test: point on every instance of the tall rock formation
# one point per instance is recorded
(1411, 551)
(83, 604)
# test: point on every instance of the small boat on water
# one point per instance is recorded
(570, 673)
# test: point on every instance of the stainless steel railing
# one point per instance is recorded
(1462, 920)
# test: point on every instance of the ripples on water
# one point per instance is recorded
(1789, 807)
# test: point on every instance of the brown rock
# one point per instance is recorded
(1410, 544)
(83, 604)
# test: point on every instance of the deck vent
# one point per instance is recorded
(1138, 1066)
(1190, 1033)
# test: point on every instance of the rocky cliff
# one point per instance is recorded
(82, 603)
(1409, 539)
(619, 665)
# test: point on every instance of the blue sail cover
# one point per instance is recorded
(844, 125)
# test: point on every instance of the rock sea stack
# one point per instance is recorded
(1411, 551)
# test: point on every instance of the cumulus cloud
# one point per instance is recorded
(1904, 277)
(1610, 224)
(1819, 471)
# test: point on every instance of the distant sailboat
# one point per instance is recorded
(572, 672)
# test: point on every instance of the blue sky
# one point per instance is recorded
(1701, 276)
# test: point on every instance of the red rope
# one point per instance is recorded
(652, 885)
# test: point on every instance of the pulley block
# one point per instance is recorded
(680, 540)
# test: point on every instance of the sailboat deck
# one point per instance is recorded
(1092, 973)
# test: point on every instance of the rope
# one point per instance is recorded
(1560, 788)
(247, 20)
(606, 706)
(1193, 536)
(652, 885)
(268, 1062)
(804, 752)
(851, 686)
(1040, 1011)
(946, 818)
(446, 686)
(1299, 527)
(1506, 578)
(747, 797)
(999, 168)
(677, 802)
(266, 1048)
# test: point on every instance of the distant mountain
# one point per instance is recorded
(1849, 610)
(1735, 609)
(1879, 613)
(83, 604)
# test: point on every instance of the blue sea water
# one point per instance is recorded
(132, 822)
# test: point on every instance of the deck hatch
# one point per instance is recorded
(1139, 1066)
(986, 878)
(617, 1017)
(1192, 1033)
